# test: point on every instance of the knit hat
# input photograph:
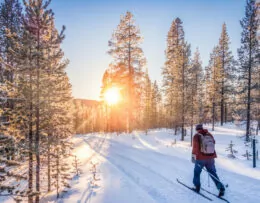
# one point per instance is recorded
(199, 127)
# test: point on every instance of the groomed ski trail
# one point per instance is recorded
(158, 187)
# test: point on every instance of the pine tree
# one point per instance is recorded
(60, 168)
(17, 60)
(125, 50)
(37, 22)
(10, 23)
(56, 119)
(195, 94)
(213, 78)
(256, 91)
(226, 71)
(147, 103)
(156, 105)
(10, 26)
(174, 72)
(249, 57)
(39, 89)
(116, 76)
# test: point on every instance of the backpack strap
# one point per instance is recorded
(200, 140)
(200, 136)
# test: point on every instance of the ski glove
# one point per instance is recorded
(193, 158)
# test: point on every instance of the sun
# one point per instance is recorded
(112, 95)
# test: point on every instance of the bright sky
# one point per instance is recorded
(90, 24)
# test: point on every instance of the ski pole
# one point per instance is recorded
(208, 181)
(214, 177)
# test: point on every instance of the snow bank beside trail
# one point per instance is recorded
(164, 141)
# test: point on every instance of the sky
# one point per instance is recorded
(90, 24)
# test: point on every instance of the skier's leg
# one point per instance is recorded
(210, 166)
(199, 164)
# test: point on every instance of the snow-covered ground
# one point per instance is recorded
(143, 168)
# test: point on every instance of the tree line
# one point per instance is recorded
(225, 90)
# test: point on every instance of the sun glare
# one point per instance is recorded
(112, 96)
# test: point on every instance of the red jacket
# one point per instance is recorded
(196, 146)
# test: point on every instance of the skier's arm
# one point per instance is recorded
(195, 146)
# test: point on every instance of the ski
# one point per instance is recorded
(225, 200)
(206, 197)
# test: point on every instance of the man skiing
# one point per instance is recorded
(203, 154)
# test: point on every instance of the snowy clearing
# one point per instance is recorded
(143, 168)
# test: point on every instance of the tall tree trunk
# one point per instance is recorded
(226, 113)
(49, 163)
(222, 104)
(191, 130)
(37, 134)
(57, 173)
(248, 105)
(248, 116)
(30, 175)
(222, 87)
(183, 95)
(107, 120)
(213, 102)
(213, 116)
(258, 127)
(129, 110)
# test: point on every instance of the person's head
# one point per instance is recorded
(199, 127)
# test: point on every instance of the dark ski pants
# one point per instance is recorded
(210, 166)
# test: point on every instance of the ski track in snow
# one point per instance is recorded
(152, 191)
(146, 178)
(87, 194)
(139, 173)
(179, 171)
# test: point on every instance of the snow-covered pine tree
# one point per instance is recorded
(227, 64)
(249, 58)
(125, 49)
(174, 72)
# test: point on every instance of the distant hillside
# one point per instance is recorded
(87, 102)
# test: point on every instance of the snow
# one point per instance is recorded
(143, 168)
